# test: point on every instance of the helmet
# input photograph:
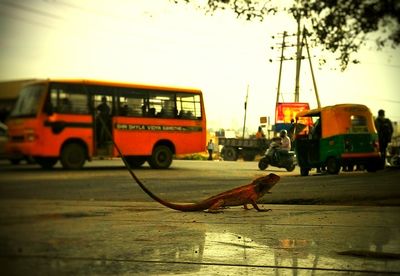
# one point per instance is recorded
(283, 133)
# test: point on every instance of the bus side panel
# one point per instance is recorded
(133, 142)
(137, 136)
(59, 128)
(195, 142)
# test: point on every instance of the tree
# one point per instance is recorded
(339, 26)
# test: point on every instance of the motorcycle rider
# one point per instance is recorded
(278, 153)
(284, 146)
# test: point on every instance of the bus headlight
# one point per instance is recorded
(30, 135)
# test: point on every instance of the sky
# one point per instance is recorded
(158, 42)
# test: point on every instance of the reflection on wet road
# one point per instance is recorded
(85, 237)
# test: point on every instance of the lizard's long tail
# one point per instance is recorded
(179, 207)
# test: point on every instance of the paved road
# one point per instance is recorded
(96, 222)
(188, 181)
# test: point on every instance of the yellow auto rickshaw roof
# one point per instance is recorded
(337, 108)
(338, 119)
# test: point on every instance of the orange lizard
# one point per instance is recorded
(243, 195)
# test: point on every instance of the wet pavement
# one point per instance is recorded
(98, 237)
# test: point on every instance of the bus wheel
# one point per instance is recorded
(15, 161)
(161, 158)
(73, 156)
(46, 162)
(135, 161)
(332, 165)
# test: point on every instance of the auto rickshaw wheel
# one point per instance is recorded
(372, 167)
(304, 171)
(332, 165)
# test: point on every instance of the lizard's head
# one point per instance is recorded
(265, 183)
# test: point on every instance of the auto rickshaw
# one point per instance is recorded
(332, 137)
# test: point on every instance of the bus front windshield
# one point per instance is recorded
(28, 101)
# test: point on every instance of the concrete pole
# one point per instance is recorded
(311, 68)
(298, 61)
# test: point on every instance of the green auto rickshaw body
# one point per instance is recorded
(336, 136)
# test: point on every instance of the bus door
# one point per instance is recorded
(103, 110)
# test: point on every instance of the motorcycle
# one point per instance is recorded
(278, 158)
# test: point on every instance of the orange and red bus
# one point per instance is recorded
(71, 121)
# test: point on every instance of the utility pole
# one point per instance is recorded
(280, 68)
(245, 110)
(301, 36)
(311, 67)
(299, 51)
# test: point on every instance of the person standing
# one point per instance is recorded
(103, 121)
(210, 148)
(291, 130)
(385, 130)
(260, 133)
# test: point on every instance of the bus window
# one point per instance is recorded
(68, 99)
(28, 101)
(132, 102)
(153, 103)
(188, 106)
(162, 104)
(97, 93)
(98, 101)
